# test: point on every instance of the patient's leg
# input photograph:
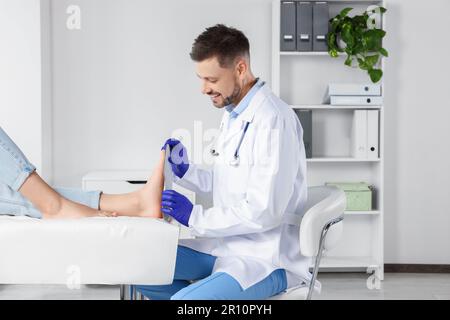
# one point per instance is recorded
(51, 204)
(19, 175)
(146, 202)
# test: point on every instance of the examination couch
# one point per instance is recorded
(101, 250)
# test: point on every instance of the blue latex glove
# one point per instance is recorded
(177, 206)
(178, 158)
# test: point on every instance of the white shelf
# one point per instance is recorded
(366, 213)
(305, 53)
(331, 107)
(313, 53)
(343, 159)
(300, 78)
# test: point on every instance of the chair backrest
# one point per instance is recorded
(324, 204)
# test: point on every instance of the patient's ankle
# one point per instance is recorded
(150, 202)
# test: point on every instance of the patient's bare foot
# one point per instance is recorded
(150, 195)
(145, 202)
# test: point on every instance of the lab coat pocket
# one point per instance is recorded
(237, 177)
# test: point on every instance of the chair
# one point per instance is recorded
(320, 228)
(324, 214)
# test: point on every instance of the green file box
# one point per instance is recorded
(358, 194)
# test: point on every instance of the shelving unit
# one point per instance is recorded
(300, 79)
(301, 53)
(343, 159)
(372, 212)
(330, 107)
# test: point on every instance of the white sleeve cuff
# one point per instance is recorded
(194, 218)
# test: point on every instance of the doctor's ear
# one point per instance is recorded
(241, 67)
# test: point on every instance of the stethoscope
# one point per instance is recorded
(236, 158)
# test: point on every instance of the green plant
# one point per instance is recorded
(363, 40)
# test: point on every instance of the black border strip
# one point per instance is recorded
(417, 268)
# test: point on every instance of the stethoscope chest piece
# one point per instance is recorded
(235, 161)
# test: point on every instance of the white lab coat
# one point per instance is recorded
(253, 226)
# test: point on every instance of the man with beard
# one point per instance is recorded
(247, 244)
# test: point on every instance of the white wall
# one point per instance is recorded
(46, 91)
(417, 220)
(124, 81)
(22, 114)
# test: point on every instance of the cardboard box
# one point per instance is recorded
(359, 195)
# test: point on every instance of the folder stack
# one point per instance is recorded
(304, 25)
(353, 94)
(364, 139)
(365, 127)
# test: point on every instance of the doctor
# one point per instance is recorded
(246, 245)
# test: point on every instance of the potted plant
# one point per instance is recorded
(360, 38)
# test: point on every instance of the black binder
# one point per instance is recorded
(305, 117)
(287, 26)
(304, 26)
(320, 26)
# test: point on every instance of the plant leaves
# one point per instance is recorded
(360, 21)
(384, 52)
(375, 33)
(335, 23)
(348, 61)
(359, 48)
(359, 31)
(346, 34)
(372, 60)
(362, 64)
(359, 41)
(344, 12)
(372, 39)
(333, 53)
(375, 75)
(331, 39)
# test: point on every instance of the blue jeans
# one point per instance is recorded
(14, 170)
(194, 265)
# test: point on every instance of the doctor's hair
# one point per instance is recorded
(225, 43)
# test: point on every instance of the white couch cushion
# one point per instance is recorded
(99, 250)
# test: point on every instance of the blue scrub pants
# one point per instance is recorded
(194, 265)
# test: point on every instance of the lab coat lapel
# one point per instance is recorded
(247, 115)
(234, 129)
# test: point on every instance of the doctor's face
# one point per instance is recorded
(221, 84)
